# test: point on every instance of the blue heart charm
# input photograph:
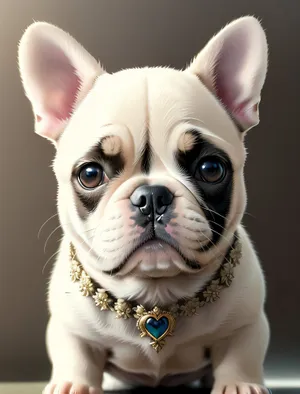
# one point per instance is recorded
(157, 328)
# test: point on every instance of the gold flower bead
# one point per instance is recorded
(103, 301)
(123, 309)
(227, 274)
(174, 310)
(72, 252)
(212, 292)
(190, 308)
(75, 271)
(86, 285)
(139, 311)
(236, 254)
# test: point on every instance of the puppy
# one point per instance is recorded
(156, 279)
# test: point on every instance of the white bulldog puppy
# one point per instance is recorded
(156, 279)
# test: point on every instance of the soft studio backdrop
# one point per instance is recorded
(125, 33)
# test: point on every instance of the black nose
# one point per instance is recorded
(152, 199)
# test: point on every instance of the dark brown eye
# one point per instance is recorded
(91, 176)
(211, 170)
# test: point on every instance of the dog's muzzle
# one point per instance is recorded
(153, 210)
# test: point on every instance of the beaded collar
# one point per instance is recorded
(157, 323)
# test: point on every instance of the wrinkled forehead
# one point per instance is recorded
(156, 104)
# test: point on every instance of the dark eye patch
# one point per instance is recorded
(112, 166)
(89, 200)
(216, 195)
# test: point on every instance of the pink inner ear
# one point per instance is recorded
(244, 112)
(62, 99)
(229, 83)
(227, 70)
(59, 85)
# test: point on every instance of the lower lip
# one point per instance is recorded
(155, 246)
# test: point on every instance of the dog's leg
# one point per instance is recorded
(238, 360)
(111, 383)
(76, 369)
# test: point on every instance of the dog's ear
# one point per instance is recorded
(57, 73)
(233, 67)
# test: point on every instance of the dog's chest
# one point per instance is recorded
(132, 358)
(174, 364)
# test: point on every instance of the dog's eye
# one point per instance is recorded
(211, 170)
(91, 175)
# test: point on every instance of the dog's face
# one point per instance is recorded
(149, 161)
(149, 171)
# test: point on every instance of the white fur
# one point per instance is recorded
(81, 340)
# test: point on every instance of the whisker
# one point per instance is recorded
(61, 226)
(191, 239)
(217, 213)
(218, 249)
(86, 231)
(208, 239)
(249, 214)
(199, 230)
(204, 220)
(92, 245)
(123, 245)
(43, 225)
(93, 238)
(130, 241)
(52, 232)
(221, 235)
(190, 229)
(54, 254)
(200, 242)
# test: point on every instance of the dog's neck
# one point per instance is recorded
(158, 291)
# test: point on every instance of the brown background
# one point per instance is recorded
(124, 33)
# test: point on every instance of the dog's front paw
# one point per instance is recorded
(239, 388)
(70, 388)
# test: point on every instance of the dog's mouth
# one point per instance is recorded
(160, 251)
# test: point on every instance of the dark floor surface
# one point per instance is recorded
(185, 390)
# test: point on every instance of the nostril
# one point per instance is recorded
(160, 202)
(161, 206)
(142, 201)
(163, 199)
(139, 198)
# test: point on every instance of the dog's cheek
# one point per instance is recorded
(117, 233)
(189, 227)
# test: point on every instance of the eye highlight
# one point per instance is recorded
(211, 170)
(91, 175)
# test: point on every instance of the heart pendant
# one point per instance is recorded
(157, 328)
(157, 325)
